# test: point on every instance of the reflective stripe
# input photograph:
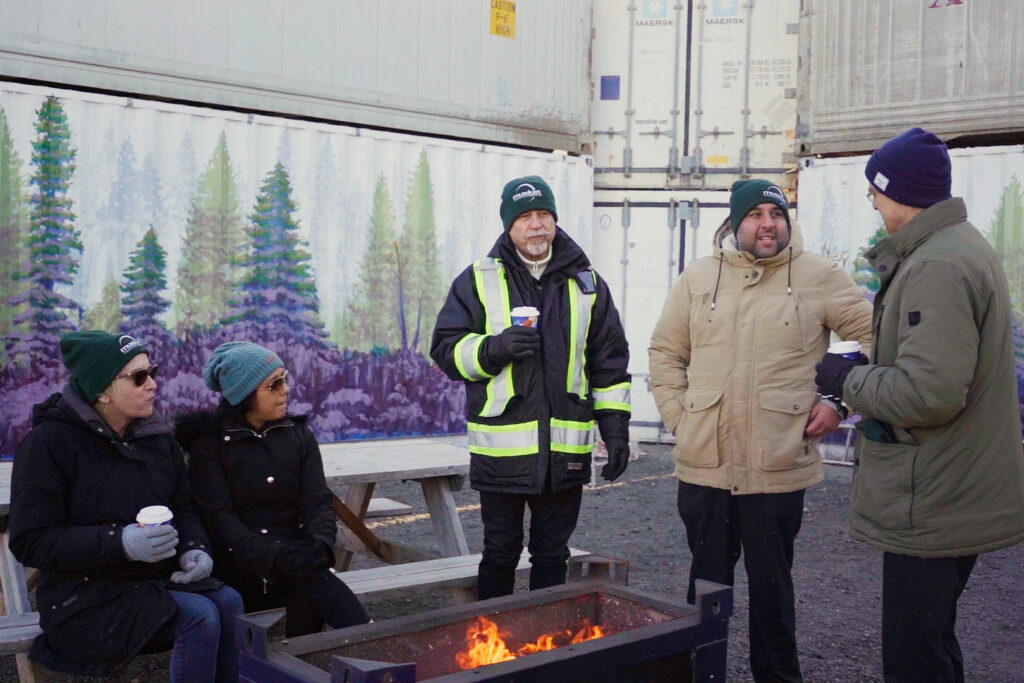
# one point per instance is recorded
(467, 357)
(615, 397)
(491, 286)
(580, 308)
(569, 436)
(503, 440)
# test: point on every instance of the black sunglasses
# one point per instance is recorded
(139, 377)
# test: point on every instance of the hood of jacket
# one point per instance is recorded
(66, 406)
(192, 425)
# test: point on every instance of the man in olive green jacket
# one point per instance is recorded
(939, 476)
(732, 371)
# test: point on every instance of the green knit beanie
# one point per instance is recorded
(746, 194)
(95, 357)
(525, 194)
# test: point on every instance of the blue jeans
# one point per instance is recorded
(204, 636)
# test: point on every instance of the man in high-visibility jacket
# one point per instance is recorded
(534, 393)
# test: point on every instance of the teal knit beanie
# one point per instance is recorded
(530, 193)
(94, 358)
(235, 369)
(746, 194)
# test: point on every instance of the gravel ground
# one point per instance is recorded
(838, 581)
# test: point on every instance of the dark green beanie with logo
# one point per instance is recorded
(95, 357)
(525, 194)
(746, 194)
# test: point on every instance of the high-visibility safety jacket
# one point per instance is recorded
(531, 423)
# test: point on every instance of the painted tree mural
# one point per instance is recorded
(372, 317)
(422, 288)
(1006, 233)
(52, 241)
(214, 234)
(278, 295)
(105, 314)
(863, 274)
(12, 216)
(141, 303)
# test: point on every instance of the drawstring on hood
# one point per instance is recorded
(714, 298)
(789, 273)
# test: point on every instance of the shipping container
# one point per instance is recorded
(870, 70)
(504, 71)
(693, 94)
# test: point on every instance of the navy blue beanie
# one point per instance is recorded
(912, 169)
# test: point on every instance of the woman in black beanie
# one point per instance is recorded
(109, 587)
(258, 481)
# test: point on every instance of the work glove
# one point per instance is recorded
(615, 432)
(195, 565)
(300, 558)
(149, 543)
(514, 343)
(832, 372)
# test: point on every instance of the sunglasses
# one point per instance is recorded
(278, 383)
(139, 377)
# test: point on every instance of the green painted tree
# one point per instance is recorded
(863, 274)
(278, 295)
(214, 235)
(106, 313)
(52, 241)
(372, 317)
(1006, 233)
(421, 285)
(144, 279)
(12, 219)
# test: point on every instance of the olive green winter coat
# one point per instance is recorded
(732, 363)
(943, 375)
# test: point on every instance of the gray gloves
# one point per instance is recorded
(149, 543)
(195, 565)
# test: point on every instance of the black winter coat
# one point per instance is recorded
(74, 487)
(540, 382)
(255, 489)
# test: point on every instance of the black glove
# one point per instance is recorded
(300, 557)
(618, 458)
(832, 372)
(514, 343)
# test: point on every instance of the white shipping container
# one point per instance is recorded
(637, 251)
(506, 71)
(694, 94)
(869, 70)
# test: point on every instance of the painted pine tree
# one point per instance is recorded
(12, 217)
(278, 295)
(863, 274)
(142, 306)
(1006, 233)
(52, 241)
(214, 234)
(422, 288)
(106, 313)
(371, 321)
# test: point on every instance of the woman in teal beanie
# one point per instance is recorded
(258, 480)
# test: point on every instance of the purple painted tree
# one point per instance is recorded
(52, 243)
(141, 302)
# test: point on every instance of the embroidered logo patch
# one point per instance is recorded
(914, 317)
(574, 466)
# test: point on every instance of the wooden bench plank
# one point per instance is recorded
(385, 507)
(18, 639)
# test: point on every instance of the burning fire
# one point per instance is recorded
(485, 644)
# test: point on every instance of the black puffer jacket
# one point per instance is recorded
(75, 485)
(255, 489)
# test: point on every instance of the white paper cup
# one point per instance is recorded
(525, 316)
(846, 349)
(154, 515)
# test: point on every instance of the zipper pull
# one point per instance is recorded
(264, 586)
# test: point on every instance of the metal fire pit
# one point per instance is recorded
(648, 640)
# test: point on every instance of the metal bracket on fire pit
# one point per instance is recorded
(353, 670)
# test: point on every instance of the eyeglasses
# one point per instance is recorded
(139, 377)
(871, 195)
(278, 383)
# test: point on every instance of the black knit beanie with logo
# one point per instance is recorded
(746, 194)
(94, 358)
(525, 194)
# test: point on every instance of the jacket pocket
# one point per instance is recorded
(883, 486)
(698, 430)
(783, 420)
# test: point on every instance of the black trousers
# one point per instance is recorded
(919, 597)
(763, 526)
(553, 518)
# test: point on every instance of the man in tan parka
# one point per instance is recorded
(732, 370)
(939, 475)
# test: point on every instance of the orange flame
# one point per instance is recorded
(485, 644)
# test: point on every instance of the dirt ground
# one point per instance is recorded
(837, 580)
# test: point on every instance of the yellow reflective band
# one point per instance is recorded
(467, 357)
(503, 440)
(569, 436)
(579, 326)
(615, 397)
(492, 288)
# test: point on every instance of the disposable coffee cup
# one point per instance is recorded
(525, 316)
(846, 349)
(154, 515)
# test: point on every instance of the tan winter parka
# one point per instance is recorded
(732, 363)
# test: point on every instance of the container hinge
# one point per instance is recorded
(690, 211)
(687, 164)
